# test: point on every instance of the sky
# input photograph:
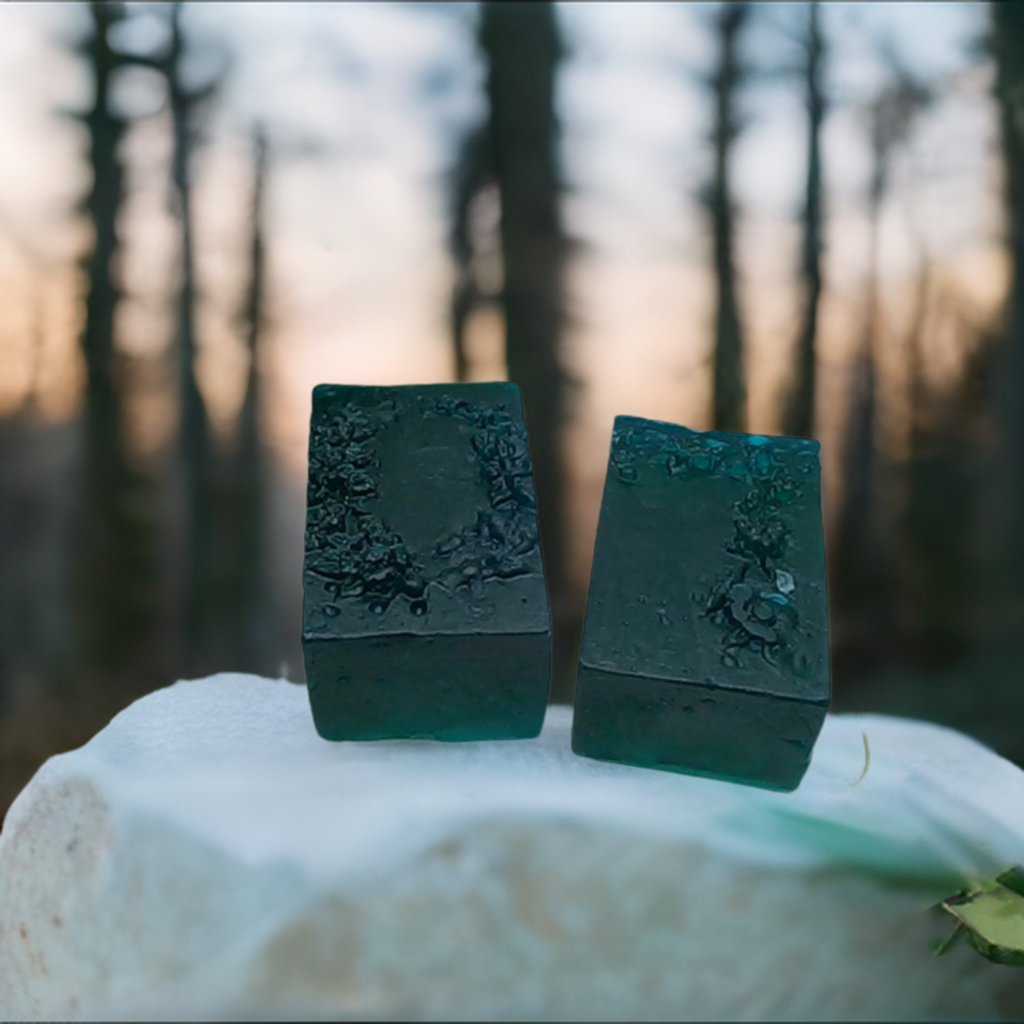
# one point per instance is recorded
(365, 104)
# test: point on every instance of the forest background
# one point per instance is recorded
(787, 218)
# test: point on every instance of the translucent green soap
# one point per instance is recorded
(425, 612)
(705, 647)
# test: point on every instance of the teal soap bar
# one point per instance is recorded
(705, 646)
(425, 612)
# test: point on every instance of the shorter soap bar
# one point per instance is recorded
(705, 646)
(425, 612)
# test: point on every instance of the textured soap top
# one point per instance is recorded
(421, 515)
(709, 565)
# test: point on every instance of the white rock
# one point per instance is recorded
(208, 855)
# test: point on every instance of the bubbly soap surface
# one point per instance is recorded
(425, 610)
(705, 648)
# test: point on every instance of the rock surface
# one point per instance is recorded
(208, 855)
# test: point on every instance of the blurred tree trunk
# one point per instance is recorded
(1008, 45)
(473, 173)
(856, 571)
(941, 515)
(246, 531)
(798, 420)
(858, 580)
(114, 578)
(523, 50)
(30, 499)
(861, 564)
(729, 408)
(22, 512)
(194, 428)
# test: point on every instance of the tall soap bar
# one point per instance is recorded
(705, 647)
(425, 612)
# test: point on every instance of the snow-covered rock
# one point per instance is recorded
(207, 854)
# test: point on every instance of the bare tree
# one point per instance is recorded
(799, 418)
(860, 571)
(194, 428)
(729, 403)
(519, 146)
(474, 172)
(944, 484)
(35, 496)
(246, 533)
(1007, 36)
(113, 590)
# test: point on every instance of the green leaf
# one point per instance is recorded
(1013, 880)
(992, 912)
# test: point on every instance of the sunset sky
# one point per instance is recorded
(365, 104)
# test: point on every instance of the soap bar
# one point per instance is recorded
(425, 612)
(705, 646)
